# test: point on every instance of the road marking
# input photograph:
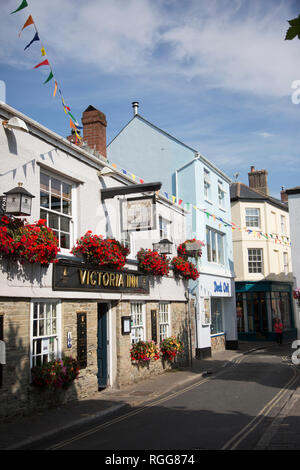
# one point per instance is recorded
(243, 433)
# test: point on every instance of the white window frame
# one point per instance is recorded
(43, 338)
(285, 263)
(164, 315)
(215, 233)
(207, 185)
(138, 325)
(259, 262)
(164, 228)
(48, 211)
(251, 217)
(283, 224)
(221, 195)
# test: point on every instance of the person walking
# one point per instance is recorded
(278, 327)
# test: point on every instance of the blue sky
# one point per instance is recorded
(217, 75)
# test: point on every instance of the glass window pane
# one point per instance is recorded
(44, 181)
(66, 207)
(55, 203)
(64, 224)
(44, 199)
(55, 186)
(213, 247)
(66, 190)
(64, 240)
(53, 221)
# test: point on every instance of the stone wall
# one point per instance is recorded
(218, 343)
(19, 397)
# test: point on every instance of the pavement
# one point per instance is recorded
(283, 433)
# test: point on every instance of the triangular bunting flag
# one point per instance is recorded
(43, 51)
(36, 38)
(24, 4)
(45, 62)
(27, 23)
(55, 88)
(49, 78)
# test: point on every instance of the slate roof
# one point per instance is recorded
(240, 191)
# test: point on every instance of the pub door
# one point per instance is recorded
(102, 345)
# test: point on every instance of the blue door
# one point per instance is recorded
(102, 345)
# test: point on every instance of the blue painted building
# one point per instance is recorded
(204, 190)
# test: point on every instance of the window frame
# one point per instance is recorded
(57, 353)
(252, 216)
(261, 261)
(285, 263)
(207, 185)
(166, 324)
(209, 246)
(60, 215)
(133, 337)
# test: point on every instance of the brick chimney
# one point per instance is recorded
(94, 129)
(284, 197)
(258, 180)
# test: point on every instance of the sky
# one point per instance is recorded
(217, 75)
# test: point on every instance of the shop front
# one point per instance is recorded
(216, 323)
(258, 304)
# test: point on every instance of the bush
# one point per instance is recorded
(59, 373)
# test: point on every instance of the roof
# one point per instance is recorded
(195, 152)
(295, 190)
(239, 191)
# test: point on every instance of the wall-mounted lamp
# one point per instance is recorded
(18, 201)
(163, 247)
(15, 123)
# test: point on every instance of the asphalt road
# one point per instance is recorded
(231, 410)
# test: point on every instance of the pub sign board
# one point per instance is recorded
(69, 277)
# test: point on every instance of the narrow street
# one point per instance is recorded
(230, 410)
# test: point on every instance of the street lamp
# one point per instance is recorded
(18, 201)
(163, 247)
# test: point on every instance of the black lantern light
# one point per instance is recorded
(163, 247)
(18, 201)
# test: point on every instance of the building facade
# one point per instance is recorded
(72, 308)
(293, 195)
(262, 258)
(203, 189)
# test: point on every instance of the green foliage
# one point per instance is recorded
(294, 29)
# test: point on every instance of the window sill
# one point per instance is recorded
(217, 334)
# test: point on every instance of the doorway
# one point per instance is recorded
(102, 344)
(260, 315)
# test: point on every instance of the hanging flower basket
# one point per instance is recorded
(56, 374)
(101, 252)
(171, 347)
(190, 249)
(184, 268)
(143, 351)
(34, 243)
(151, 262)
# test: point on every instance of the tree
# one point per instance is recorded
(294, 29)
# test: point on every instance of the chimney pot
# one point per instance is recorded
(94, 129)
(258, 180)
(135, 105)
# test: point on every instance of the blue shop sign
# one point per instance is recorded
(221, 287)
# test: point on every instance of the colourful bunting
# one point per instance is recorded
(49, 78)
(43, 51)
(45, 62)
(36, 38)
(24, 4)
(27, 23)
(55, 88)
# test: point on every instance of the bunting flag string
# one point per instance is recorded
(45, 62)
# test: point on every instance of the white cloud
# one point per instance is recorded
(265, 135)
(234, 45)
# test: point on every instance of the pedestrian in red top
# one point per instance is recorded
(278, 327)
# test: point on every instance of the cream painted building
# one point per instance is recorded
(262, 259)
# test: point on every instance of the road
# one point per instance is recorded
(231, 410)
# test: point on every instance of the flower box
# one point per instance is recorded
(151, 262)
(143, 351)
(34, 243)
(184, 268)
(171, 347)
(190, 248)
(101, 252)
(56, 374)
